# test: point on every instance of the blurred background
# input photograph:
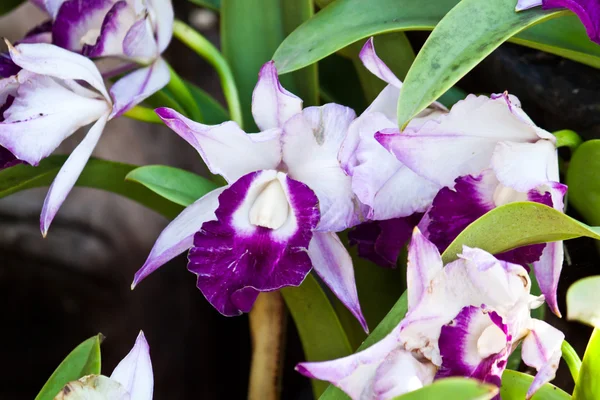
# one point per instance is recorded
(58, 291)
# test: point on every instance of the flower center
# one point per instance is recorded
(504, 195)
(491, 341)
(271, 208)
(91, 37)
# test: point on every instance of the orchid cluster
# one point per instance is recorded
(310, 177)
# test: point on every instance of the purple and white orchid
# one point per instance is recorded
(136, 31)
(463, 319)
(286, 197)
(588, 12)
(132, 379)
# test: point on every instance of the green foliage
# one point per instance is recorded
(453, 388)
(587, 386)
(212, 4)
(83, 360)
(583, 182)
(7, 6)
(515, 385)
(583, 298)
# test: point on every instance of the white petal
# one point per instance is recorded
(52, 6)
(139, 43)
(424, 263)
(178, 236)
(547, 272)
(134, 372)
(93, 387)
(69, 173)
(163, 16)
(376, 66)
(527, 4)
(332, 262)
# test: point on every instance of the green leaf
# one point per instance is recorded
(346, 21)
(7, 6)
(214, 113)
(174, 184)
(453, 388)
(84, 360)
(583, 182)
(587, 386)
(319, 328)
(518, 224)
(464, 37)
(212, 4)
(583, 298)
(99, 174)
(515, 385)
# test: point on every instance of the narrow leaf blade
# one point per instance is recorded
(587, 386)
(515, 385)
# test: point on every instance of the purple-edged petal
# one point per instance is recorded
(178, 236)
(163, 16)
(137, 86)
(319, 132)
(140, 43)
(376, 66)
(48, 112)
(50, 6)
(541, 350)
(424, 262)
(134, 371)
(461, 142)
(7, 67)
(259, 243)
(272, 104)
(69, 173)
(527, 4)
(333, 264)
(226, 149)
(523, 166)
(547, 272)
(588, 12)
(382, 241)
(115, 26)
(79, 22)
(50, 60)
(475, 344)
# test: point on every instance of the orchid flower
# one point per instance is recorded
(481, 133)
(42, 105)
(133, 30)
(588, 12)
(286, 197)
(463, 319)
(132, 379)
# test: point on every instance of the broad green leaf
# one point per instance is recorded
(214, 113)
(212, 4)
(7, 6)
(587, 386)
(319, 328)
(453, 388)
(99, 174)
(518, 224)
(346, 21)
(464, 37)
(515, 385)
(583, 182)
(83, 360)
(174, 184)
(583, 301)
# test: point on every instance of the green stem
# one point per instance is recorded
(205, 49)
(568, 138)
(183, 96)
(571, 358)
(144, 114)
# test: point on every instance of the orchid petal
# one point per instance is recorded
(541, 350)
(48, 112)
(93, 387)
(527, 4)
(226, 149)
(424, 263)
(333, 264)
(319, 132)
(78, 22)
(137, 86)
(69, 173)
(50, 60)
(115, 26)
(140, 43)
(7, 67)
(588, 12)
(523, 166)
(164, 16)
(178, 236)
(272, 104)
(461, 142)
(134, 371)
(376, 66)
(51, 6)
(258, 243)
(547, 272)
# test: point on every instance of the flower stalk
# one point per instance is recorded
(571, 358)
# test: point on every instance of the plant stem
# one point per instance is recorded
(183, 96)
(205, 49)
(568, 138)
(144, 114)
(571, 358)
